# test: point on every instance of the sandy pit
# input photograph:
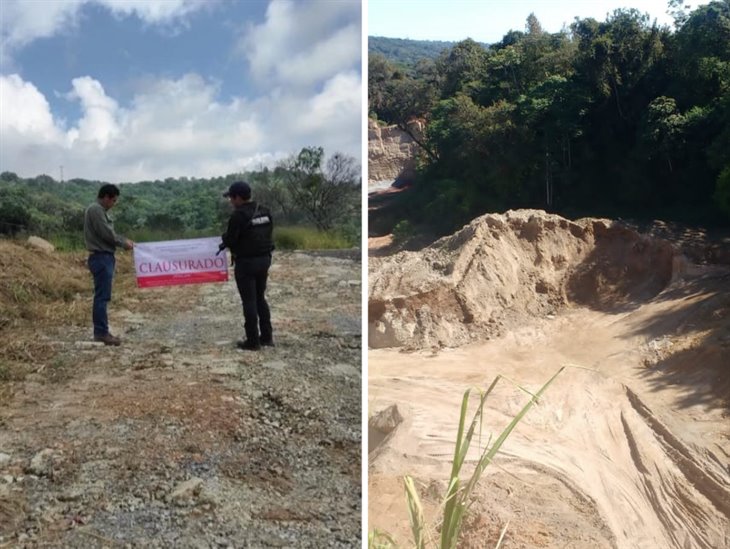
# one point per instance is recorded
(630, 446)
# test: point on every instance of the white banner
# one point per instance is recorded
(175, 262)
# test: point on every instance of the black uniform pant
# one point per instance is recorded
(251, 275)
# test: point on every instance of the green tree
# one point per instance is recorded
(663, 129)
(15, 210)
(463, 68)
(398, 98)
(328, 193)
(408, 99)
(9, 176)
(380, 72)
(619, 117)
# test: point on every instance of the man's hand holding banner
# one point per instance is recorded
(175, 262)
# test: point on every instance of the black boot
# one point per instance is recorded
(248, 345)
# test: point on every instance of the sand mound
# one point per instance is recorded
(627, 449)
(503, 268)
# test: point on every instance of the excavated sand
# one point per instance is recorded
(500, 269)
(629, 448)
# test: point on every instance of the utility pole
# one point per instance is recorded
(61, 168)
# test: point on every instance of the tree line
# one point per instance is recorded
(307, 190)
(620, 118)
(406, 52)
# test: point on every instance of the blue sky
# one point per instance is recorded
(489, 20)
(129, 90)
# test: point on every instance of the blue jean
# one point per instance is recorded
(101, 266)
(251, 275)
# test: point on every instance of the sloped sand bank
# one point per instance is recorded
(629, 448)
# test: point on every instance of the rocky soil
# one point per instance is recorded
(178, 439)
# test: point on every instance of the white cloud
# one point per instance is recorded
(25, 111)
(300, 44)
(23, 21)
(98, 123)
(337, 52)
(332, 116)
(308, 53)
(29, 138)
(172, 128)
(182, 118)
(154, 11)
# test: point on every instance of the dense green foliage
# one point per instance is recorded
(614, 118)
(321, 197)
(406, 53)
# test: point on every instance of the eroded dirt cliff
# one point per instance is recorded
(391, 152)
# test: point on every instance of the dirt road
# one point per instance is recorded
(178, 439)
(629, 448)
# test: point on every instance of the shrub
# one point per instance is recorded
(307, 238)
(402, 231)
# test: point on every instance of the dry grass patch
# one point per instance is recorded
(41, 287)
(56, 289)
(37, 290)
(41, 293)
(13, 510)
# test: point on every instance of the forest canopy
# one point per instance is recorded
(615, 118)
(305, 190)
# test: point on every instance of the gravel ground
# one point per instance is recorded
(178, 439)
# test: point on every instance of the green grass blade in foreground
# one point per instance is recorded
(415, 514)
(460, 450)
(380, 540)
(451, 504)
(457, 499)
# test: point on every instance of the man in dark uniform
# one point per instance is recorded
(249, 236)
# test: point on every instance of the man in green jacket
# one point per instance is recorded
(102, 242)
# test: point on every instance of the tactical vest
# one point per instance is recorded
(256, 238)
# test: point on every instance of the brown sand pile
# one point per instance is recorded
(501, 268)
(628, 449)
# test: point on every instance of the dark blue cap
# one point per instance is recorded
(239, 188)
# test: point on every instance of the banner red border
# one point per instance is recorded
(183, 278)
